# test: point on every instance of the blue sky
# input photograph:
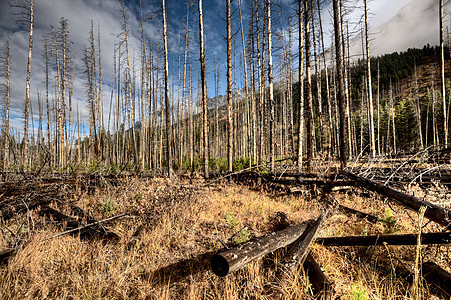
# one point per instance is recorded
(387, 18)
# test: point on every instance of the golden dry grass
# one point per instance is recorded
(164, 248)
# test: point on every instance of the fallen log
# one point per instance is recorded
(235, 258)
(376, 240)
(298, 250)
(439, 279)
(322, 287)
(72, 224)
(433, 212)
(358, 214)
(8, 209)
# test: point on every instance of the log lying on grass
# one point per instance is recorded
(71, 223)
(433, 212)
(376, 240)
(298, 251)
(235, 258)
(439, 279)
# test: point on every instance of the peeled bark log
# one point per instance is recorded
(434, 212)
(236, 258)
(377, 240)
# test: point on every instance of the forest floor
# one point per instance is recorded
(173, 229)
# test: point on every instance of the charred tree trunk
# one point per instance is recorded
(204, 91)
(166, 94)
(235, 258)
(343, 142)
(379, 240)
(433, 212)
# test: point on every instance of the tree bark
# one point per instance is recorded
(27, 91)
(308, 86)
(236, 258)
(271, 89)
(442, 73)
(166, 93)
(433, 212)
(370, 89)
(301, 91)
(204, 92)
(378, 240)
(229, 90)
(343, 142)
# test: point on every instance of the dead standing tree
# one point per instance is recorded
(24, 17)
(229, 90)
(341, 91)
(204, 91)
(272, 103)
(5, 72)
(166, 93)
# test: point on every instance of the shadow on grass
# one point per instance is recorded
(178, 271)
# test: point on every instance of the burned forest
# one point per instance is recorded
(237, 149)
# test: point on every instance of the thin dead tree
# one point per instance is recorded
(5, 70)
(166, 93)
(301, 91)
(442, 73)
(204, 91)
(271, 89)
(24, 16)
(308, 86)
(370, 89)
(129, 83)
(229, 90)
(341, 92)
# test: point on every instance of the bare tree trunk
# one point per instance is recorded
(6, 71)
(229, 91)
(329, 104)
(418, 109)
(129, 89)
(370, 89)
(246, 89)
(46, 54)
(27, 90)
(301, 91)
(442, 69)
(204, 91)
(341, 93)
(271, 89)
(308, 86)
(166, 94)
(59, 134)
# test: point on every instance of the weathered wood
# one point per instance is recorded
(433, 212)
(439, 279)
(322, 287)
(232, 259)
(85, 231)
(358, 214)
(9, 209)
(298, 250)
(376, 240)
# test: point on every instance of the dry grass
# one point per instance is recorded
(164, 248)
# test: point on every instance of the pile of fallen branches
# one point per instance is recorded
(22, 196)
